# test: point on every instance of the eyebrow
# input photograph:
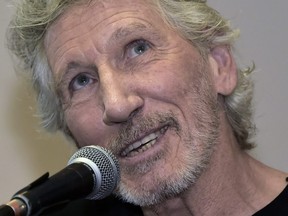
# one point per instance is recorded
(123, 32)
(134, 28)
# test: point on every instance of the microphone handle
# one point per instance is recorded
(74, 181)
(14, 208)
(6, 210)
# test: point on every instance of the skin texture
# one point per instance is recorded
(123, 75)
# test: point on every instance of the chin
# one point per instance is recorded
(159, 185)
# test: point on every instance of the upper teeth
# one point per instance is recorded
(145, 140)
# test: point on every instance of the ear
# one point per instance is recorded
(224, 70)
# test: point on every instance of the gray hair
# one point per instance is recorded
(203, 26)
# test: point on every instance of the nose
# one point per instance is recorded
(119, 97)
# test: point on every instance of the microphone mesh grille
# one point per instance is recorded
(108, 166)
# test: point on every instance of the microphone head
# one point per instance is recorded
(105, 167)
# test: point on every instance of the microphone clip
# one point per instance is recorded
(34, 184)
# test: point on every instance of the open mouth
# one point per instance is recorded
(144, 144)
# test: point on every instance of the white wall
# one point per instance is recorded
(263, 39)
(27, 152)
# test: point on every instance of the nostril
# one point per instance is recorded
(135, 112)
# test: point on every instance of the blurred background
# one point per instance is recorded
(27, 152)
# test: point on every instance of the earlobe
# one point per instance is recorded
(224, 70)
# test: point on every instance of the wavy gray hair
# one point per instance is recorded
(194, 19)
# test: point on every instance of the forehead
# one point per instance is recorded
(99, 19)
(100, 13)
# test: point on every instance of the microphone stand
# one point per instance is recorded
(16, 207)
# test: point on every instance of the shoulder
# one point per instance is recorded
(278, 206)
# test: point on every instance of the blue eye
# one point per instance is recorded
(137, 48)
(80, 81)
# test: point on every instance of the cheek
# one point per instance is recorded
(86, 125)
(174, 82)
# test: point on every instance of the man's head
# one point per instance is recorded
(149, 80)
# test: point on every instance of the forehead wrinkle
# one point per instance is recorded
(59, 72)
(66, 28)
(65, 24)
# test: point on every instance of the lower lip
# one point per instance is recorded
(154, 149)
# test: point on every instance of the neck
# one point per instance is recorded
(233, 184)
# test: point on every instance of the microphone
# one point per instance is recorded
(92, 172)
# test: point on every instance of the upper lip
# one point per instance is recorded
(154, 134)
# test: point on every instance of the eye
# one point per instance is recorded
(137, 48)
(80, 81)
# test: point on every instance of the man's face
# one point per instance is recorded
(131, 84)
